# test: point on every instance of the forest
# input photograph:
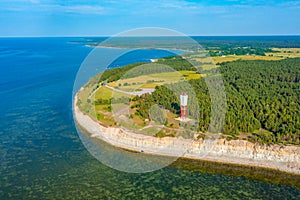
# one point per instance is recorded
(263, 100)
(263, 97)
(175, 62)
(207, 42)
(240, 51)
(223, 42)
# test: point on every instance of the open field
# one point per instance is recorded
(130, 120)
(106, 93)
(281, 54)
(103, 93)
(152, 80)
(220, 59)
(191, 75)
(285, 52)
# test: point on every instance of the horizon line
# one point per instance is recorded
(74, 36)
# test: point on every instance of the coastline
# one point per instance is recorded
(130, 48)
(236, 152)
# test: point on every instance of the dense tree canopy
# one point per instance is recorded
(240, 51)
(175, 62)
(262, 98)
(271, 90)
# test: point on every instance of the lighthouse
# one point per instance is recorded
(183, 105)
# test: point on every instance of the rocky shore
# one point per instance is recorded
(242, 152)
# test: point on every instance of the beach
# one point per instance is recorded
(238, 152)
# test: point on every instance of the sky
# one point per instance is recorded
(19, 18)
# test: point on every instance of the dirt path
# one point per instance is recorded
(139, 93)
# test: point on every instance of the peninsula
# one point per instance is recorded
(139, 111)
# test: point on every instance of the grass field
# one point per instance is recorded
(281, 54)
(285, 53)
(106, 93)
(103, 93)
(152, 80)
(220, 59)
(205, 59)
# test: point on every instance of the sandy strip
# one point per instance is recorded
(241, 152)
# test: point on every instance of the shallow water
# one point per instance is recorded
(42, 157)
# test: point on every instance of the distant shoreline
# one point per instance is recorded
(130, 48)
(237, 152)
(104, 47)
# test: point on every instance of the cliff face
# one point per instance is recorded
(245, 149)
(285, 158)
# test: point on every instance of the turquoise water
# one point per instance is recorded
(42, 157)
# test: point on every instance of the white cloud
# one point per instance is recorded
(291, 4)
(37, 6)
(34, 1)
(131, 7)
(82, 9)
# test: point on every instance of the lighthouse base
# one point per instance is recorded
(183, 119)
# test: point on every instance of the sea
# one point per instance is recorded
(42, 156)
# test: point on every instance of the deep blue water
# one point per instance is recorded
(41, 155)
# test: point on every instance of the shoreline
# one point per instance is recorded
(145, 48)
(235, 152)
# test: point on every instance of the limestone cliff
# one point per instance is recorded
(284, 158)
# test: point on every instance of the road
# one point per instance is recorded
(138, 93)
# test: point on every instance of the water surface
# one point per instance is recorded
(42, 157)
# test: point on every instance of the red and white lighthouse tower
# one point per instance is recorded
(183, 105)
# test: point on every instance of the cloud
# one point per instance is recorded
(38, 6)
(291, 4)
(179, 7)
(34, 1)
(81, 9)
(137, 7)
(183, 5)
